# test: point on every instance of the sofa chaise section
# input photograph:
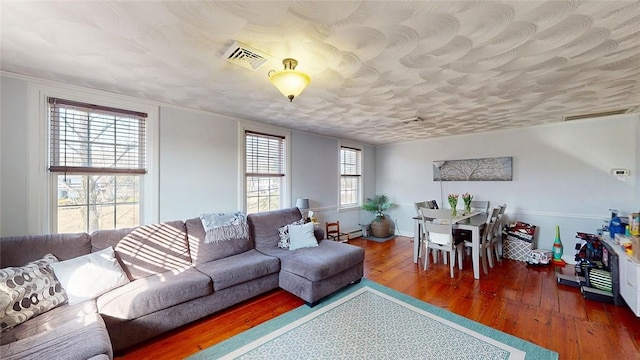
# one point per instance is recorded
(309, 273)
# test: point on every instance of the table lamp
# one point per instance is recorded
(303, 204)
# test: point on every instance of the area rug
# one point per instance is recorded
(370, 321)
(373, 238)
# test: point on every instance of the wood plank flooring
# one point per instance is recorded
(519, 300)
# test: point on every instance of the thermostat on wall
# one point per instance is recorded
(620, 172)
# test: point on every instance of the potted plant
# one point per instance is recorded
(378, 205)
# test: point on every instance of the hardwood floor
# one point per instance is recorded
(522, 301)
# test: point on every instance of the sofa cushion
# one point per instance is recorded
(154, 293)
(49, 320)
(263, 227)
(19, 250)
(148, 249)
(28, 291)
(239, 268)
(80, 339)
(321, 262)
(88, 276)
(201, 252)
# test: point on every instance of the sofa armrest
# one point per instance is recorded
(319, 233)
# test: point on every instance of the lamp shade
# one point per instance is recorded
(302, 203)
(289, 81)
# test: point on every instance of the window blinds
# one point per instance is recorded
(87, 138)
(349, 161)
(264, 155)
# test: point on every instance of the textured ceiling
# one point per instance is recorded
(461, 66)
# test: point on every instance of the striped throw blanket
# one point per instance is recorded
(224, 226)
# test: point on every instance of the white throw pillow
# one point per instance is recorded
(89, 276)
(301, 236)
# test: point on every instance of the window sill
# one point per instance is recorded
(349, 208)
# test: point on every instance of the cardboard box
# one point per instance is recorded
(635, 246)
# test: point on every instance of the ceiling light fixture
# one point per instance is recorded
(289, 82)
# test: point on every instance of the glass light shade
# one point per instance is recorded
(289, 82)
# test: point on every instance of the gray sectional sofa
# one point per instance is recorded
(175, 277)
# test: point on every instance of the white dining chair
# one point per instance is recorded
(439, 237)
(480, 205)
(486, 236)
(496, 241)
(419, 205)
(429, 204)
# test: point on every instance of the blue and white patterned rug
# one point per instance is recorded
(370, 321)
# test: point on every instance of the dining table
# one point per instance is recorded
(473, 222)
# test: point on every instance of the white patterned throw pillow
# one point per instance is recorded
(28, 291)
(284, 234)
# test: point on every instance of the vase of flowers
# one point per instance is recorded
(466, 197)
(453, 202)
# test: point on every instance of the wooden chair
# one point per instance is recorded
(439, 237)
(334, 233)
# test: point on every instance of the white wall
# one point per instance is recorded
(315, 170)
(13, 156)
(561, 174)
(316, 176)
(198, 164)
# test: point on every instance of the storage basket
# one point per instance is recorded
(517, 240)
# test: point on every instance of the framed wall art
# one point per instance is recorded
(486, 169)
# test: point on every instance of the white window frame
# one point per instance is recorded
(42, 185)
(249, 126)
(111, 164)
(360, 178)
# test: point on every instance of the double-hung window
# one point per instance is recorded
(97, 156)
(350, 176)
(264, 171)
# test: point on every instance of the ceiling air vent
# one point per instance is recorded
(597, 114)
(245, 56)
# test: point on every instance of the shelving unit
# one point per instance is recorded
(629, 278)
